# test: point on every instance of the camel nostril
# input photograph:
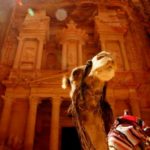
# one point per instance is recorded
(111, 62)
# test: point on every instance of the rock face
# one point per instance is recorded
(38, 49)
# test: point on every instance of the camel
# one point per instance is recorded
(92, 114)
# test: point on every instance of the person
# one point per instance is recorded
(127, 118)
(127, 133)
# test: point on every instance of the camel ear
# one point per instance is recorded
(65, 82)
(77, 74)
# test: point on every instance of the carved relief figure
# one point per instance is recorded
(29, 54)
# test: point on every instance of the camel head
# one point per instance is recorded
(87, 91)
(101, 66)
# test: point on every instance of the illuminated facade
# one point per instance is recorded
(42, 45)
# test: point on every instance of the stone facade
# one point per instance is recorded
(41, 48)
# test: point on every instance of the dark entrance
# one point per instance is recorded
(42, 128)
(70, 139)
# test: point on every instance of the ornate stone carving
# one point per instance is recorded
(39, 22)
(29, 53)
(119, 27)
(72, 33)
(72, 40)
(34, 32)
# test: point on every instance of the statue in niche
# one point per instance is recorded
(29, 54)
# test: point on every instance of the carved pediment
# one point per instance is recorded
(72, 33)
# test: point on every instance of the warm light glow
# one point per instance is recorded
(61, 14)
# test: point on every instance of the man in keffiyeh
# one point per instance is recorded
(127, 133)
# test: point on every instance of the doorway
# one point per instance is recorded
(42, 128)
(70, 139)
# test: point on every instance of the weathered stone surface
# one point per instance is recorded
(33, 58)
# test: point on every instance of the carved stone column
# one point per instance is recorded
(54, 132)
(134, 102)
(34, 32)
(18, 53)
(64, 59)
(30, 130)
(39, 53)
(5, 118)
